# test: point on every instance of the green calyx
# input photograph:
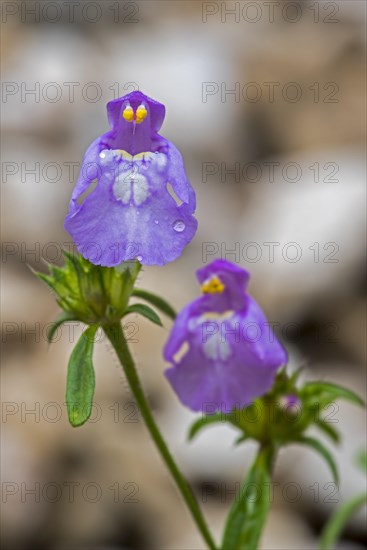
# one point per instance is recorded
(280, 416)
(98, 297)
(283, 415)
(91, 293)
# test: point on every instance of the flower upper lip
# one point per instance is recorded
(156, 109)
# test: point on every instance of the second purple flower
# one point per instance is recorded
(222, 349)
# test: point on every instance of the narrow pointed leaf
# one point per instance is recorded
(145, 311)
(63, 318)
(80, 380)
(248, 514)
(241, 439)
(46, 279)
(156, 301)
(71, 259)
(296, 374)
(334, 390)
(59, 275)
(336, 524)
(201, 423)
(324, 452)
(328, 430)
(362, 460)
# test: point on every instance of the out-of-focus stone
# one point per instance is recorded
(307, 245)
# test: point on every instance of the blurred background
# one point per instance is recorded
(266, 102)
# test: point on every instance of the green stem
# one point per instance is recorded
(338, 521)
(116, 336)
(268, 452)
(248, 514)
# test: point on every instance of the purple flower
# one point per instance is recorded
(142, 206)
(223, 351)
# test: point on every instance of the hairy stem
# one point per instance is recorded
(116, 336)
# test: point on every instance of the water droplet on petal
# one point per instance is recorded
(156, 221)
(179, 226)
(139, 258)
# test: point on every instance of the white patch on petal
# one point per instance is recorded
(216, 347)
(181, 352)
(106, 156)
(122, 187)
(160, 161)
(129, 183)
(140, 189)
(214, 333)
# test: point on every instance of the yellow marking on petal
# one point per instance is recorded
(124, 154)
(128, 113)
(215, 316)
(213, 286)
(141, 114)
(146, 155)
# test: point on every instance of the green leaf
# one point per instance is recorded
(201, 423)
(145, 311)
(241, 439)
(337, 522)
(156, 301)
(250, 509)
(362, 460)
(80, 380)
(49, 281)
(59, 280)
(60, 276)
(328, 430)
(295, 375)
(73, 261)
(323, 451)
(333, 390)
(63, 318)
